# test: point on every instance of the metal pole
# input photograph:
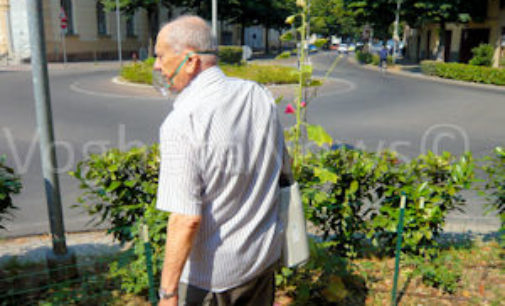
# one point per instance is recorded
(45, 124)
(396, 36)
(214, 21)
(118, 26)
(403, 201)
(64, 46)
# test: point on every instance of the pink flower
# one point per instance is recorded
(289, 109)
(303, 104)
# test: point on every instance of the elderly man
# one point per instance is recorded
(221, 157)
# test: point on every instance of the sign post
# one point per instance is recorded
(64, 27)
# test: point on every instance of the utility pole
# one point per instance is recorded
(118, 26)
(59, 256)
(396, 36)
(214, 21)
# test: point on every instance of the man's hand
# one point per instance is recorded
(169, 302)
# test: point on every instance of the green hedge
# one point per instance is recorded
(230, 54)
(9, 185)
(464, 72)
(141, 72)
(369, 58)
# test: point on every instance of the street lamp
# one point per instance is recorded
(214, 20)
(396, 36)
(118, 25)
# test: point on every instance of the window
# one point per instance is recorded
(67, 8)
(130, 26)
(101, 18)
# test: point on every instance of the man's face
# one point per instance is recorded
(167, 61)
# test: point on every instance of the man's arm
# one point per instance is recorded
(181, 233)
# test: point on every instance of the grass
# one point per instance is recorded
(141, 72)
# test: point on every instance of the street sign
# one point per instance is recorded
(63, 19)
(64, 30)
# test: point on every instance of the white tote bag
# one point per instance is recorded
(295, 250)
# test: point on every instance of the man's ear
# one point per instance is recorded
(193, 64)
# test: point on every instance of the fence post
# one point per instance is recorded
(149, 264)
(403, 200)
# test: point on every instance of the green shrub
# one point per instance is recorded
(230, 54)
(351, 195)
(482, 55)
(439, 180)
(266, 74)
(495, 185)
(118, 187)
(464, 72)
(376, 60)
(284, 55)
(140, 72)
(10, 184)
(364, 57)
(442, 272)
(336, 187)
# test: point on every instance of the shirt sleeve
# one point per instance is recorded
(179, 183)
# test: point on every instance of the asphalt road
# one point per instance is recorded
(368, 110)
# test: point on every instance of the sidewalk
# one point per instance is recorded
(414, 71)
(86, 66)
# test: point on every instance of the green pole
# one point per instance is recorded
(398, 249)
(149, 265)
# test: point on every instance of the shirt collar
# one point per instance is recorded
(208, 77)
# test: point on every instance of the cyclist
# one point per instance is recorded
(383, 55)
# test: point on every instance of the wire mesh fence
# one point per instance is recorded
(88, 281)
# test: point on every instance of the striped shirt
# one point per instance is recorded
(221, 157)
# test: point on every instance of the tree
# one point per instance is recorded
(379, 14)
(151, 6)
(329, 17)
(443, 12)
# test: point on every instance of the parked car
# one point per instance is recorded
(312, 48)
(342, 48)
(351, 48)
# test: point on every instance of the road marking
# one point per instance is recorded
(75, 87)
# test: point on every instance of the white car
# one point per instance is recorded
(342, 48)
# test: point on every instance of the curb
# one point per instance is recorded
(495, 88)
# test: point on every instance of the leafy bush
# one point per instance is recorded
(351, 195)
(265, 74)
(438, 180)
(464, 72)
(364, 57)
(338, 187)
(230, 55)
(376, 60)
(444, 272)
(482, 55)
(139, 72)
(9, 185)
(325, 280)
(495, 185)
(284, 55)
(119, 187)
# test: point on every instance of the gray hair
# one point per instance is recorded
(190, 32)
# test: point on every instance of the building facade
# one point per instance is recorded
(460, 38)
(91, 32)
